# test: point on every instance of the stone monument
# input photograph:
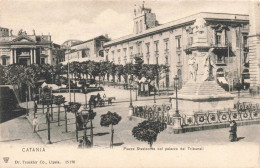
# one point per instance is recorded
(201, 92)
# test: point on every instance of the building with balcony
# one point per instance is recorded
(25, 49)
(174, 43)
(91, 49)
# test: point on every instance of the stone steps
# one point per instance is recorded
(204, 88)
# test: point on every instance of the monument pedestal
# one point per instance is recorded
(202, 96)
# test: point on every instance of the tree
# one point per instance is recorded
(58, 100)
(110, 119)
(119, 71)
(103, 69)
(112, 70)
(148, 131)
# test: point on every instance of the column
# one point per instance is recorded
(11, 57)
(15, 59)
(34, 55)
(31, 57)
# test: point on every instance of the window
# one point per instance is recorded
(147, 47)
(102, 44)
(190, 42)
(245, 41)
(178, 42)
(245, 57)
(141, 26)
(42, 60)
(4, 61)
(218, 38)
(166, 44)
(136, 27)
(179, 58)
(156, 46)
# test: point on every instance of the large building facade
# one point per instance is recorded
(176, 44)
(254, 43)
(26, 49)
(91, 49)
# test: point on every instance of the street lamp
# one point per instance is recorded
(176, 84)
(130, 82)
(85, 88)
(154, 90)
(131, 104)
(48, 120)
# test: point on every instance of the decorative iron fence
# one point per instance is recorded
(242, 111)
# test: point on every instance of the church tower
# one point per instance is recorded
(143, 19)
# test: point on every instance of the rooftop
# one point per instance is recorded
(179, 22)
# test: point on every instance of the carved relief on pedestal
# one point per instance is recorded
(201, 66)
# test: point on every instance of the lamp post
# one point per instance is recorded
(49, 122)
(130, 114)
(85, 92)
(176, 83)
(69, 75)
(154, 90)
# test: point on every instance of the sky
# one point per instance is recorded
(86, 19)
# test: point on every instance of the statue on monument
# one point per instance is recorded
(20, 32)
(193, 67)
(209, 65)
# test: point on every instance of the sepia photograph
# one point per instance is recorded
(120, 83)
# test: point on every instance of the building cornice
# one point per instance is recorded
(179, 23)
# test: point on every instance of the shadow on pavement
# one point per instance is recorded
(10, 140)
(101, 134)
(239, 138)
(118, 144)
(64, 140)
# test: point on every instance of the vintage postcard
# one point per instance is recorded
(120, 83)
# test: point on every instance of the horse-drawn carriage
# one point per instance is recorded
(96, 100)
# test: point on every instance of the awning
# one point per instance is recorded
(96, 59)
(222, 80)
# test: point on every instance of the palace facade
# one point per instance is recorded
(176, 43)
(25, 49)
(80, 51)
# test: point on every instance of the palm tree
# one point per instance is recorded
(148, 131)
(110, 119)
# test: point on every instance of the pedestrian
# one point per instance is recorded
(81, 144)
(233, 131)
(35, 124)
(87, 143)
